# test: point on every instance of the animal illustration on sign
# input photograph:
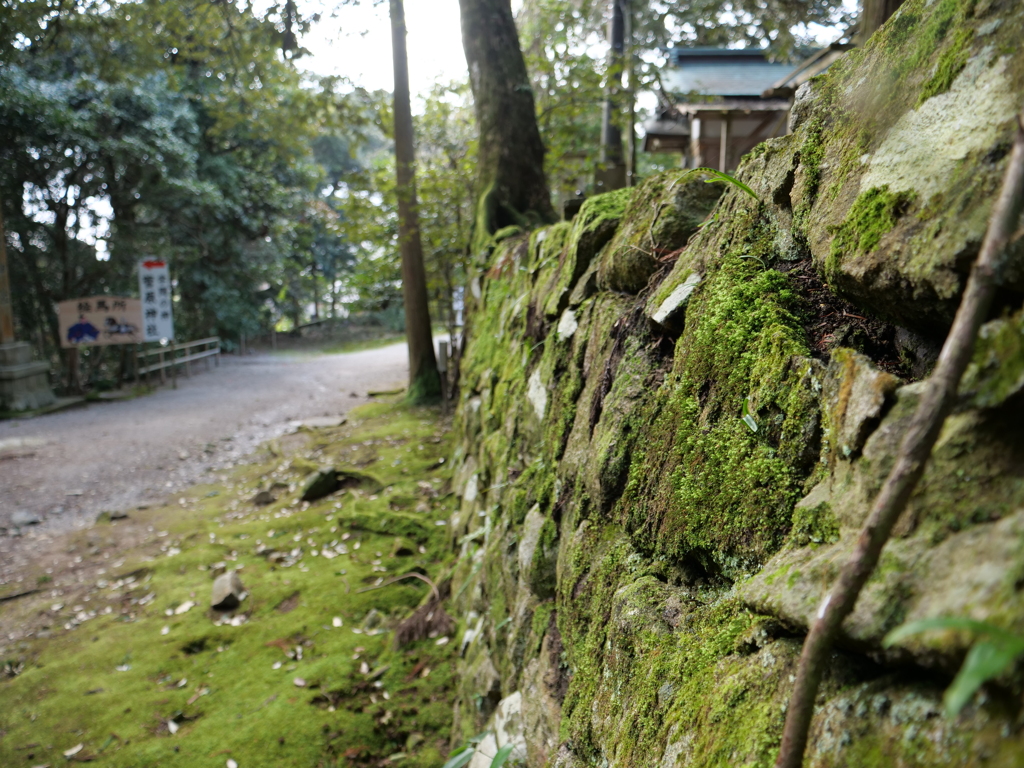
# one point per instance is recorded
(114, 327)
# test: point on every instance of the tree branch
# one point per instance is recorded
(936, 402)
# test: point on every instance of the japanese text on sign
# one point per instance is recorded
(155, 292)
(99, 321)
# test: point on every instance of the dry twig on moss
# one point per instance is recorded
(936, 402)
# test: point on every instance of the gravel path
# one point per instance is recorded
(67, 467)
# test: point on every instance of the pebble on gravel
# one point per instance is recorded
(227, 592)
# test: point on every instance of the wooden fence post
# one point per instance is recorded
(442, 368)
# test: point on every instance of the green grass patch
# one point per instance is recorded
(106, 667)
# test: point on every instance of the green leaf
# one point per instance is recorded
(502, 756)
(751, 256)
(953, 622)
(460, 758)
(984, 661)
(717, 176)
(748, 419)
(987, 658)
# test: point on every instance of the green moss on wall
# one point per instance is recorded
(702, 484)
(592, 228)
(874, 213)
(951, 63)
(814, 525)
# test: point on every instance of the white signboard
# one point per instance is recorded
(155, 292)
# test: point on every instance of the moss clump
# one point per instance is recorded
(662, 214)
(592, 228)
(814, 525)
(951, 63)
(812, 153)
(703, 485)
(997, 371)
(542, 576)
(539, 623)
(874, 214)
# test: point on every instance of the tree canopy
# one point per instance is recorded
(190, 131)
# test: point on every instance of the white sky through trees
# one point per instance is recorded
(356, 43)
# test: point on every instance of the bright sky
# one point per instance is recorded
(356, 44)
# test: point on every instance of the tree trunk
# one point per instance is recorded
(612, 172)
(424, 382)
(873, 14)
(631, 96)
(511, 187)
(6, 306)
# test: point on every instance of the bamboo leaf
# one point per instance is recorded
(952, 622)
(746, 416)
(460, 758)
(502, 756)
(984, 661)
(720, 176)
(989, 657)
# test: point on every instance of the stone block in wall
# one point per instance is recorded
(661, 216)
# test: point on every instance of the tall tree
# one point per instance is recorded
(424, 380)
(6, 310)
(512, 187)
(874, 13)
(612, 173)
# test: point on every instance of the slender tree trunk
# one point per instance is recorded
(511, 187)
(6, 306)
(424, 382)
(873, 14)
(612, 173)
(630, 63)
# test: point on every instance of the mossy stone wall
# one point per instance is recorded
(667, 447)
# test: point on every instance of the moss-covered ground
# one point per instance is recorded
(110, 656)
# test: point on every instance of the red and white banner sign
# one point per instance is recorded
(155, 292)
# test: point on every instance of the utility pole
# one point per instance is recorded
(612, 173)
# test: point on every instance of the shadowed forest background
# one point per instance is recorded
(193, 131)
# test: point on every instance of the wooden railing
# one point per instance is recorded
(174, 356)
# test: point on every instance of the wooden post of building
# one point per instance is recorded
(723, 150)
(695, 150)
